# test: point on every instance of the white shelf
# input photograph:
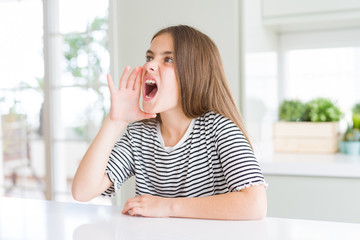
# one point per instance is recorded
(316, 165)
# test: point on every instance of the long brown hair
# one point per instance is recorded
(201, 76)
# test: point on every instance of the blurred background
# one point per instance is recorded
(77, 96)
(53, 93)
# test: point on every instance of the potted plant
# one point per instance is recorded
(322, 110)
(291, 111)
(356, 116)
(351, 141)
(307, 127)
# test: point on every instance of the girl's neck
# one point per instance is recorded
(173, 126)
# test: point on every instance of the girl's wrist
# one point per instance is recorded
(116, 122)
(173, 206)
(114, 127)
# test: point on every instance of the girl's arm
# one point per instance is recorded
(247, 204)
(90, 179)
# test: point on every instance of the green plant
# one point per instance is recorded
(356, 116)
(352, 134)
(322, 110)
(291, 110)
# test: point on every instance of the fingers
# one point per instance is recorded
(137, 82)
(147, 206)
(110, 83)
(134, 78)
(133, 81)
(135, 206)
(124, 78)
(136, 211)
(130, 204)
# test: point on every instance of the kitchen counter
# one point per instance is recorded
(35, 219)
(317, 165)
(307, 164)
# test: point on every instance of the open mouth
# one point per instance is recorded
(150, 88)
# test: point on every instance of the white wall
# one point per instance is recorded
(136, 21)
(139, 20)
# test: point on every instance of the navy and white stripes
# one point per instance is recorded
(212, 158)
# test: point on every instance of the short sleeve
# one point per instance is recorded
(240, 167)
(120, 166)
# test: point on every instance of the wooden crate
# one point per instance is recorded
(306, 137)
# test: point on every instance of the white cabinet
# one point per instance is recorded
(294, 15)
(276, 8)
(314, 198)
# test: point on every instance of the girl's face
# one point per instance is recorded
(160, 88)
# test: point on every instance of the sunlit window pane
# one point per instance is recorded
(261, 99)
(81, 97)
(21, 42)
(68, 155)
(76, 15)
(81, 112)
(23, 149)
(86, 58)
(80, 100)
(333, 73)
(22, 160)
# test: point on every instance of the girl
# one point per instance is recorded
(187, 149)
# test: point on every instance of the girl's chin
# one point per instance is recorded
(148, 108)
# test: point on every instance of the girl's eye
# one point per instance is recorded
(169, 60)
(149, 59)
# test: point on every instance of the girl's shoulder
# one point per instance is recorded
(147, 125)
(214, 120)
(215, 124)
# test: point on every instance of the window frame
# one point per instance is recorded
(52, 83)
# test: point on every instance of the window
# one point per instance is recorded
(322, 64)
(330, 72)
(79, 92)
(261, 95)
(22, 167)
(304, 66)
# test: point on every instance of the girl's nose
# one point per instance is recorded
(151, 67)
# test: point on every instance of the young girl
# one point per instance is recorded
(187, 149)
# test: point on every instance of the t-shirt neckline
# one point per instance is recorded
(182, 140)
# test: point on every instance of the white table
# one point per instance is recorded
(34, 219)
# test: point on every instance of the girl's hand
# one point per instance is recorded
(125, 100)
(148, 206)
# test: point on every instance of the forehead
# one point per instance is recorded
(161, 43)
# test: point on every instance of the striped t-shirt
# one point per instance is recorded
(213, 157)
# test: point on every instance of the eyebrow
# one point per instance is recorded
(163, 53)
